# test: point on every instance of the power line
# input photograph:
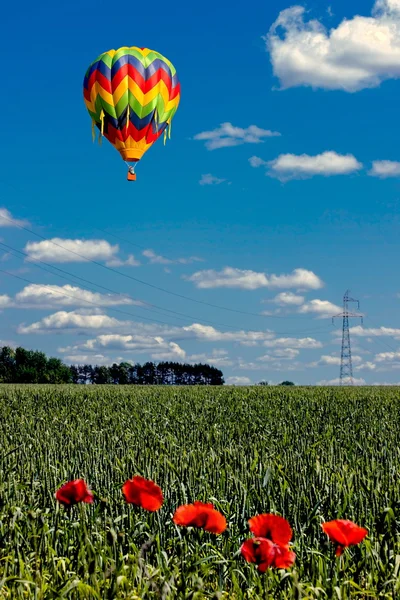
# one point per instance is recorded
(156, 287)
(87, 281)
(117, 293)
(87, 301)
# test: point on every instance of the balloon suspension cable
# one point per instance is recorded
(131, 168)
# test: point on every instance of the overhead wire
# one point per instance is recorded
(33, 262)
(146, 283)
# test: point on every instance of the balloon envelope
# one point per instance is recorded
(131, 95)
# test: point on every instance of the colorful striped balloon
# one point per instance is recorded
(131, 95)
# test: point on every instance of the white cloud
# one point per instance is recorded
(302, 166)
(173, 352)
(158, 348)
(132, 335)
(231, 277)
(359, 53)
(360, 331)
(387, 357)
(158, 259)
(256, 161)
(385, 383)
(297, 343)
(210, 334)
(91, 359)
(283, 354)
(65, 321)
(227, 135)
(288, 299)
(5, 301)
(58, 250)
(238, 381)
(286, 353)
(272, 365)
(218, 358)
(299, 278)
(336, 381)
(118, 262)
(322, 308)
(7, 220)
(51, 296)
(209, 179)
(367, 366)
(327, 360)
(385, 168)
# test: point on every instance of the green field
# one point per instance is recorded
(307, 454)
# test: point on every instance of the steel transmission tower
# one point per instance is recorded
(346, 366)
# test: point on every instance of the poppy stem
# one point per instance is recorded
(182, 554)
(266, 586)
(55, 531)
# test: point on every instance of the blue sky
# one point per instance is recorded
(283, 224)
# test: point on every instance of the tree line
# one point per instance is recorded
(32, 366)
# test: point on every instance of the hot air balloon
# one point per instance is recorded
(131, 95)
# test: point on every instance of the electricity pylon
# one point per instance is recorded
(346, 366)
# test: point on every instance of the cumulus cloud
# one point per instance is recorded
(328, 360)
(231, 277)
(238, 381)
(323, 309)
(387, 357)
(218, 358)
(297, 343)
(299, 278)
(303, 166)
(227, 135)
(210, 334)
(256, 161)
(385, 383)
(51, 296)
(273, 365)
(172, 352)
(119, 262)
(367, 366)
(5, 301)
(385, 169)
(209, 179)
(158, 348)
(93, 359)
(360, 331)
(58, 250)
(283, 354)
(129, 335)
(7, 220)
(359, 53)
(65, 321)
(288, 299)
(158, 259)
(336, 381)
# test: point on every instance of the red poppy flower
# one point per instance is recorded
(266, 554)
(344, 533)
(271, 527)
(203, 516)
(143, 492)
(73, 492)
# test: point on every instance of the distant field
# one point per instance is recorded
(308, 454)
